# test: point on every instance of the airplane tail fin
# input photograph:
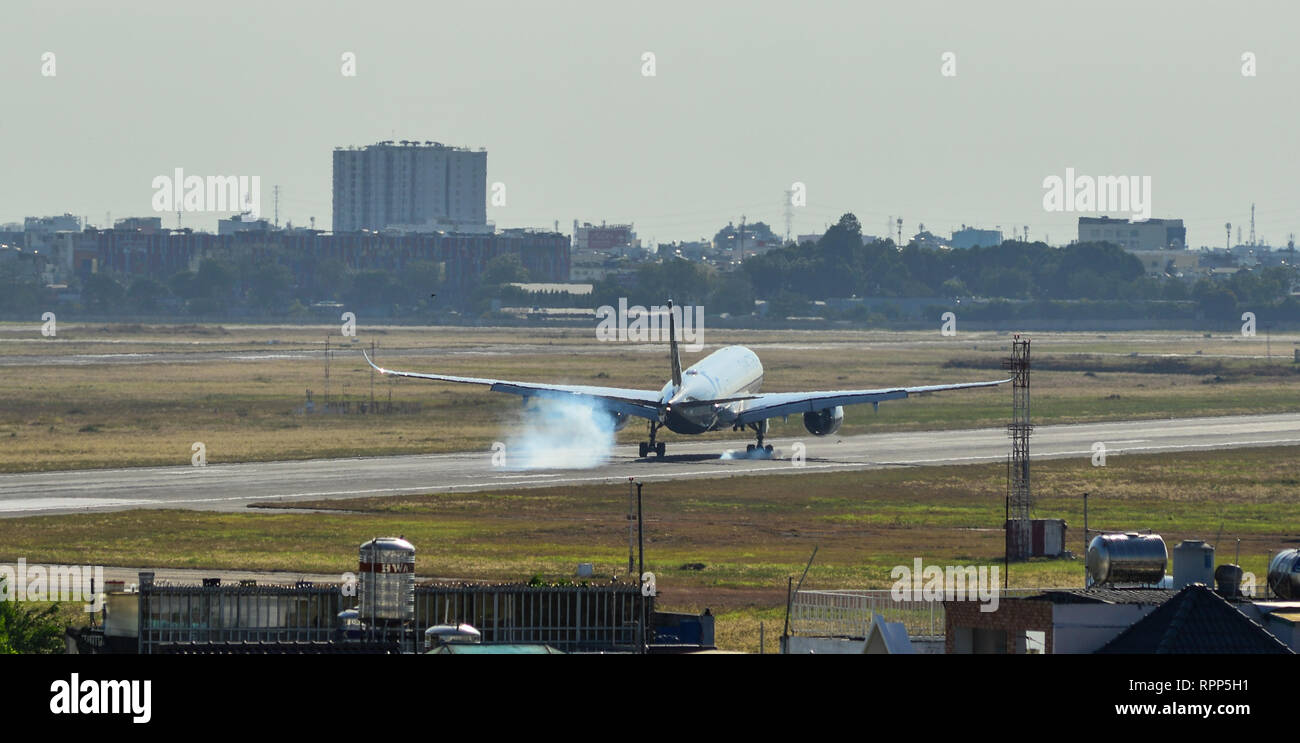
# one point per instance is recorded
(675, 354)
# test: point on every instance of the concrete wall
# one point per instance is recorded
(1084, 628)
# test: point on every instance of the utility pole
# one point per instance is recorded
(640, 531)
(1085, 540)
(327, 372)
(276, 191)
(631, 536)
(1252, 225)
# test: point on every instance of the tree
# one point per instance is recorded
(1215, 303)
(372, 289)
(954, 287)
(18, 295)
(731, 293)
(269, 288)
(25, 629)
(102, 293)
(330, 280)
(182, 284)
(677, 279)
(418, 280)
(788, 304)
(215, 280)
(145, 293)
(504, 269)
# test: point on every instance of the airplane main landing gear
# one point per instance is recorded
(646, 447)
(760, 428)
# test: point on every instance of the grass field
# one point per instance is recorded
(75, 402)
(726, 544)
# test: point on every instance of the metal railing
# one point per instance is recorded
(570, 618)
(847, 612)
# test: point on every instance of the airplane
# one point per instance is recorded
(718, 392)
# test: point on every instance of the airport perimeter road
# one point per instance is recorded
(235, 486)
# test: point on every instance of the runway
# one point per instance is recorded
(227, 487)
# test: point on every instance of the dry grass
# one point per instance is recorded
(747, 533)
(101, 414)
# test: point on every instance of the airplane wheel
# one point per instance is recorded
(642, 449)
(749, 448)
(659, 449)
(768, 448)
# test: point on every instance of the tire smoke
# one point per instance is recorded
(561, 434)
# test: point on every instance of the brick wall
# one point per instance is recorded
(1012, 616)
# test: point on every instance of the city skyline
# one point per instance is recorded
(745, 101)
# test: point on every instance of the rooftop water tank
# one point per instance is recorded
(451, 634)
(386, 581)
(1127, 558)
(1193, 563)
(1284, 574)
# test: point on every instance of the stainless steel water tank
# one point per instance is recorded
(1284, 574)
(1127, 558)
(387, 580)
(451, 634)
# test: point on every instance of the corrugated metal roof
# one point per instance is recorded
(1196, 620)
(1103, 595)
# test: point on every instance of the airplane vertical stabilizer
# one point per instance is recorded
(673, 350)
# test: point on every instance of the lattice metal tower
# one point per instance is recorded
(789, 216)
(1019, 498)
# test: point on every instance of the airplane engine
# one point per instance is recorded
(824, 422)
(620, 420)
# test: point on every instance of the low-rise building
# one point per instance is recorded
(970, 237)
(1149, 234)
(1168, 262)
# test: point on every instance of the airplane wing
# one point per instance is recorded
(640, 403)
(778, 404)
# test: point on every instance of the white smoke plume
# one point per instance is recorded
(561, 434)
(755, 454)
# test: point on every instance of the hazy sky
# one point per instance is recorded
(847, 98)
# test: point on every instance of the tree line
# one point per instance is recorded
(790, 279)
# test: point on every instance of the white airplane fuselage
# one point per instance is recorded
(732, 371)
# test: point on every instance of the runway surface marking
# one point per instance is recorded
(228, 487)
